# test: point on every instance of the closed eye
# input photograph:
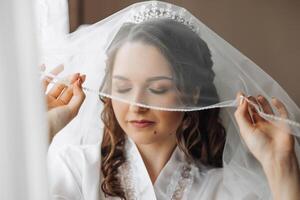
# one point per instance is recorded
(123, 90)
(158, 91)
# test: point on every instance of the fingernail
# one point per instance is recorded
(241, 100)
(61, 67)
(83, 78)
(79, 83)
(274, 99)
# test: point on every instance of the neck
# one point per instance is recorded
(156, 155)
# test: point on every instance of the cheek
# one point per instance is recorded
(170, 121)
(119, 109)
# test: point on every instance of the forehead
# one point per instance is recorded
(138, 60)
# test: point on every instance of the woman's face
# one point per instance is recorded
(141, 74)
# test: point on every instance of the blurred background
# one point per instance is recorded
(266, 31)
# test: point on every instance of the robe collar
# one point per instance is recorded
(173, 182)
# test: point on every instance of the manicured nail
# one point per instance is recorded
(79, 82)
(241, 100)
(83, 78)
(60, 67)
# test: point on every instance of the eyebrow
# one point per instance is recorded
(155, 78)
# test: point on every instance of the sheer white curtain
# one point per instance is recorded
(23, 128)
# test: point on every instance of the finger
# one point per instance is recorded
(59, 88)
(265, 105)
(253, 106)
(67, 94)
(56, 90)
(242, 115)
(82, 77)
(77, 98)
(46, 80)
(239, 97)
(57, 70)
(280, 107)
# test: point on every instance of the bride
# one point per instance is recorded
(178, 152)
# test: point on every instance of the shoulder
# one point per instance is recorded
(207, 170)
(220, 183)
(91, 151)
(208, 174)
(207, 183)
(75, 155)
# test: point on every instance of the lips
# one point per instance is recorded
(141, 123)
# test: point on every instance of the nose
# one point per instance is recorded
(137, 109)
(138, 97)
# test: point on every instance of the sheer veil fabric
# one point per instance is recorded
(86, 51)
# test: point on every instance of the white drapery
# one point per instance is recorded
(23, 128)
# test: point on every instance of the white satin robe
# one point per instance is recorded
(74, 175)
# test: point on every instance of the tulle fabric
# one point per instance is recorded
(85, 51)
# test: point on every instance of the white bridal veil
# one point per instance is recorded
(195, 82)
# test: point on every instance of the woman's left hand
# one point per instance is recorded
(272, 144)
(267, 140)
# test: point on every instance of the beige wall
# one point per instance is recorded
(266, 31)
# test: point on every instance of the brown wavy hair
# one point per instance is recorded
(201, 135)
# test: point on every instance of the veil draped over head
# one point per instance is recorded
(207, 76)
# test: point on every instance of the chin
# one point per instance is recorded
(144, 138)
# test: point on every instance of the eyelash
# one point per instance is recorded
(162, 91)
(123, 90)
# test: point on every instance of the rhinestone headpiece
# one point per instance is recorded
(152, 11)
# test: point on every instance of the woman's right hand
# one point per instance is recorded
(63, 101)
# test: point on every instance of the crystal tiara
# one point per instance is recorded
(152, 11)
